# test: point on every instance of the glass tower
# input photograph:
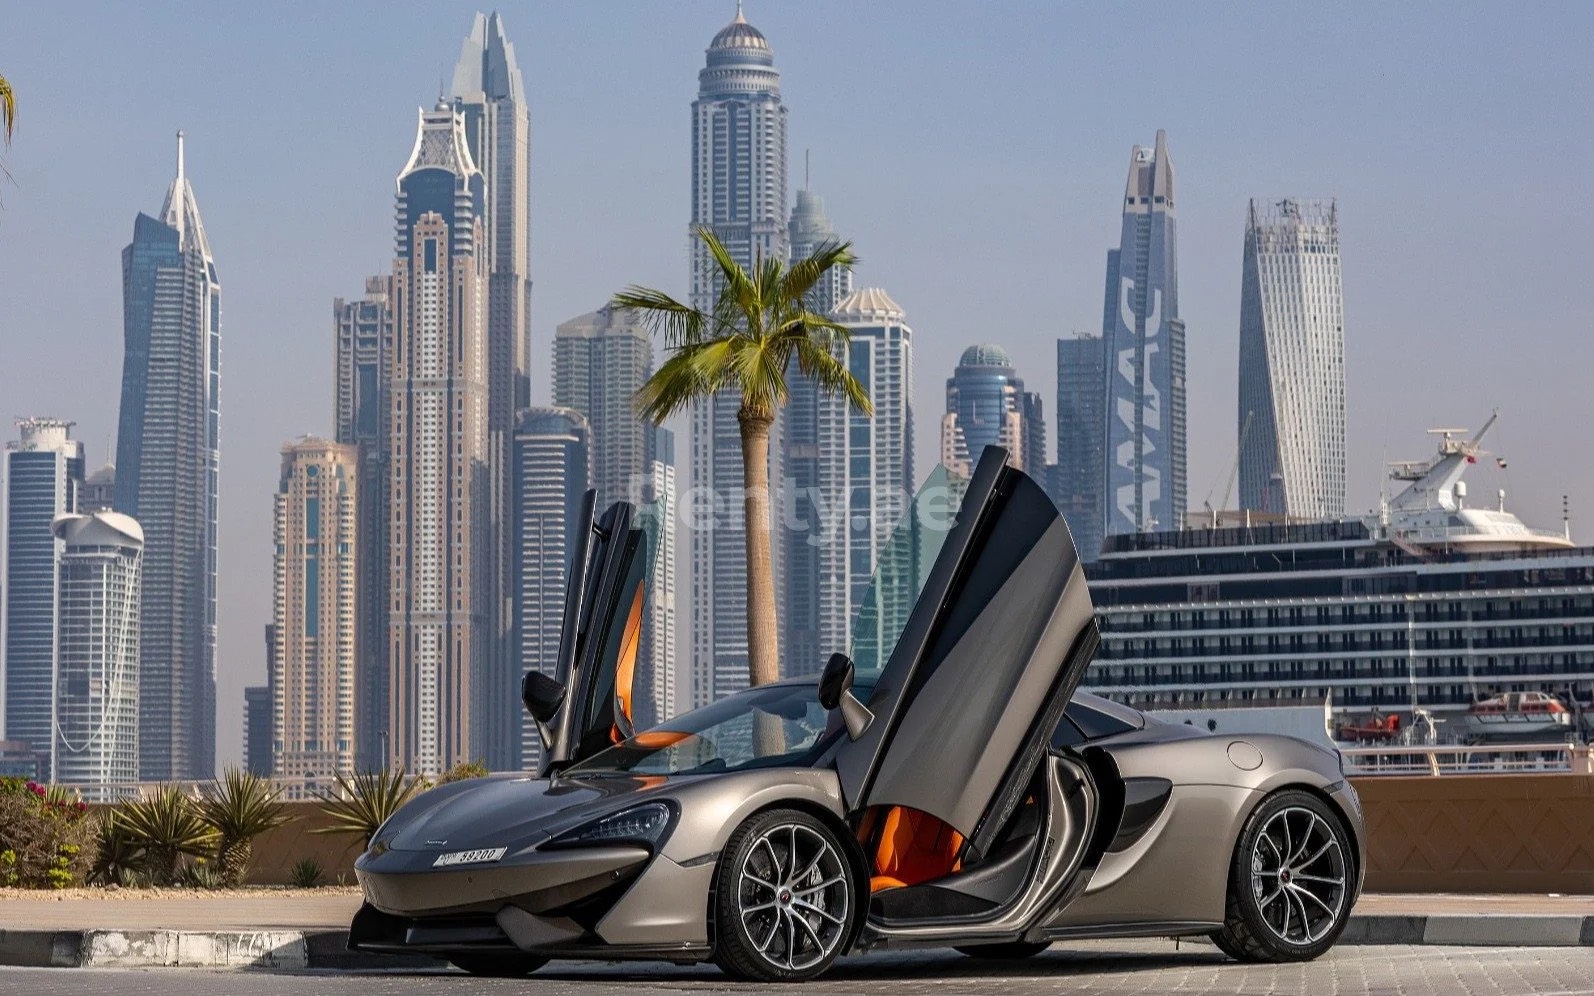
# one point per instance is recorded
(1292, 361)
(42, 475)
(738, 190)
(986, 405)
(167, 461)
(1144, 479)
(1081, 425)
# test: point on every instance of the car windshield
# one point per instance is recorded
(770, 727)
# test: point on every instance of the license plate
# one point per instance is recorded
(477, 857)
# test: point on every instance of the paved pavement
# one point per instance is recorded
(330, 909)
(1092, 967)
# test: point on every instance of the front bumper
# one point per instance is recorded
(405, 883)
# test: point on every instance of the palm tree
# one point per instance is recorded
(758, 328)
(8, 115)
(240, 806)
(365, 800)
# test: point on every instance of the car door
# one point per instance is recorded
(601, 639)
(991, 651)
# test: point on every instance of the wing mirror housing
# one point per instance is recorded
(543, 697)
(835, 692)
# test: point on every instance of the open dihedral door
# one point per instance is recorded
(601, 639)
(991, 652)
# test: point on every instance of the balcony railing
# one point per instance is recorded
(1451, 759)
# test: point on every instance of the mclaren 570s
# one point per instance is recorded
(943, 785)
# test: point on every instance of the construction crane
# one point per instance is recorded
(1234, 471)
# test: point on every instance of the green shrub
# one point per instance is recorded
(118, 858)
(464, 770)
(240, 806)
(45, 835)
(306, 874)
(166, 827)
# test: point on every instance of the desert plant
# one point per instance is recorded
(118, 858)
(306, 874)
(200, 874)
(240, 806)
(167, 825)
(759, 332)
(364, 802)
(464, 770)
(44, 835)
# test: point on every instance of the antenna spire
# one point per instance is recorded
(179, 155)
(740, 19)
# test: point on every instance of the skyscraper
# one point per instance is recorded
(99, 490)
(550, 473)
(314, 619)
(167, 461)
(1081, 437)
(1033, 411)
(985, 406)
(1292, 361)
(803, 643)
(96, 686)
(1144, 485)
(362, 373)
(490, 95)
(865, 477)
(601, 359)
(42, 473)
(739, 191)
(257, 730)
(437, 481)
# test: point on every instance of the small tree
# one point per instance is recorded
(240, 806)
(167, 826)
(364, 802)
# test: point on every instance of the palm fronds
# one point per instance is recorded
(363, 802)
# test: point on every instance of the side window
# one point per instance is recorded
(1082, 724)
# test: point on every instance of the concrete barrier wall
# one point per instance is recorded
(1479, 833)
(1469, 833)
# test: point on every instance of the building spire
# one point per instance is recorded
(740, 17)
(179, 155)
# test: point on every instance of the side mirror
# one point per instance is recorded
(835, 692)
(543, 697)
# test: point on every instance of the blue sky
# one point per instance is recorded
(975, 151)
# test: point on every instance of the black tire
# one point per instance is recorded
(763, 897)
(1295, 906)
(498, 966)
(1011, 951)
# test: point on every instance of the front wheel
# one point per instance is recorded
(784, 899)
(498, 966)
(1291, 883)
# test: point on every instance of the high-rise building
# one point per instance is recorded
(362, 373)
(490, 95)
(551, 471)
(1033, 411)
(985, 406)
(99, 490)
(438, 488)
(167, 461)
(601, 360)
(865, 478)
(96, 686)
(660, 699)
(1144, 481)
(314, 619)
(1292, 361)
(257, 730)
(42, 474)
(803, 644)
(1081, 436)
(739, 191)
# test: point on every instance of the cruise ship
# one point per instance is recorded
(1427, 610)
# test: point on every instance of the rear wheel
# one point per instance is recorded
(498, 966)
(1011, 951)
(784, 899)
(1291, 882)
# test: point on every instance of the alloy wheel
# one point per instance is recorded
(1298, 876)
(793, 896)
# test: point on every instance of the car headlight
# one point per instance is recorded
(644, 824)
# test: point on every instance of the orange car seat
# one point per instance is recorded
(910, 847)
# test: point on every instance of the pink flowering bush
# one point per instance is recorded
(45, 834)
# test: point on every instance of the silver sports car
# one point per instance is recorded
(944, 785)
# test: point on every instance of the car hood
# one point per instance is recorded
(514, 811)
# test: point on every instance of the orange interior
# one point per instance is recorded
(910, 847)
(659, 739)
(625, 667)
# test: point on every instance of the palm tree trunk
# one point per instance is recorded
(763, 657)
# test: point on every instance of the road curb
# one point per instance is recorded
(328, 949)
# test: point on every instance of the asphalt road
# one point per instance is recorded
(1099, 967)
